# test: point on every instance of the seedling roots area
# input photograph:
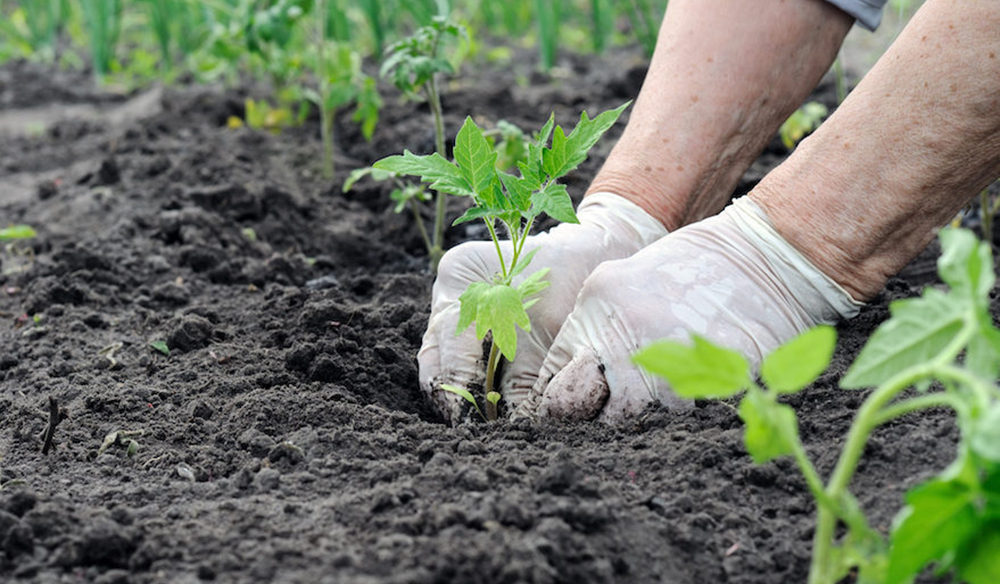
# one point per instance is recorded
(284, 437)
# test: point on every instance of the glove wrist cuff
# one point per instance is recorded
(644, 226)
(829, 301)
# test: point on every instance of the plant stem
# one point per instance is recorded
(491, 372)
(986, 215)
(420, 227)
(496, 244)
(434, 100)
(326, 132)
(821, 571)
(326, 117)
(840, 78)
(923, 402)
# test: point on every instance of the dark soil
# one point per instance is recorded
(284, 438)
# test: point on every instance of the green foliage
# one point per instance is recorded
(499, 307)
(160, 346)
(954, 518)
(548, 15)
(413, 62)
(34, 27)
(103, 18)
(645, 17)
(17, 232)
(805, 120)
(464, 394)
(699, 371)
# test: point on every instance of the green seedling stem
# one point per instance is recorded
(44, 19)
(103, 18)
(840, 78)
(372, 11)
(944, 337)
(645, 23)
(988, 211)
(325, 114)
(414, 65)
(602, 22)
(548, 14)
(440, 203)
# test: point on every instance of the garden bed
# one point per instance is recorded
(284, 438)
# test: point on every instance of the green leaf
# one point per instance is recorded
(518, 190)
(702, 370)
(493, 397)
(979, 561)
(160, 346)
(986, 437)
(567, 153)
(918, 330)
(800, 361)
(17, 232)
(939, 517)
(473, 213)
(496, 308)
(769, 426)
(554, 201)
(357, 174)
(542, 138)
(554, 159)
(966, 263)
(982, 356)
(443, 175)
(465, 394)
(523, 262)
(475, 158)
(533, 284)
(369, 104)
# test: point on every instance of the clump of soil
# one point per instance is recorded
(284, 437)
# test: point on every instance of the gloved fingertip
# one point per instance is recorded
(578, 391)
(450, 406)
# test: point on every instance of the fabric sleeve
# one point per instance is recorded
(868, 13)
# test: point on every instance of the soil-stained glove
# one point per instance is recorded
(610, 228)
(731, 279)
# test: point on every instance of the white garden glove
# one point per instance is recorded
(610, 228)
(731, 279)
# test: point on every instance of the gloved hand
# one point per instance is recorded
(730, 278)
(610, 227)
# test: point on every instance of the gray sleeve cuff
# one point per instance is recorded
(868, 13)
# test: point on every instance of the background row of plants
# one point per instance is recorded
(136, 41)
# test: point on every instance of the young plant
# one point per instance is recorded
(34, 27)
(414, 65)
(499, 306)
(507, 140)
(340, 81)
(944, 337)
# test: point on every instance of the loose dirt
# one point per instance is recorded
(284, 438)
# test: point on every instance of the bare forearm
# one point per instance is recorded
(912, 144)
(725, 75)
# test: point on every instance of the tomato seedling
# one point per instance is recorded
(945, 337)
(414, 65)
(499, 306)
